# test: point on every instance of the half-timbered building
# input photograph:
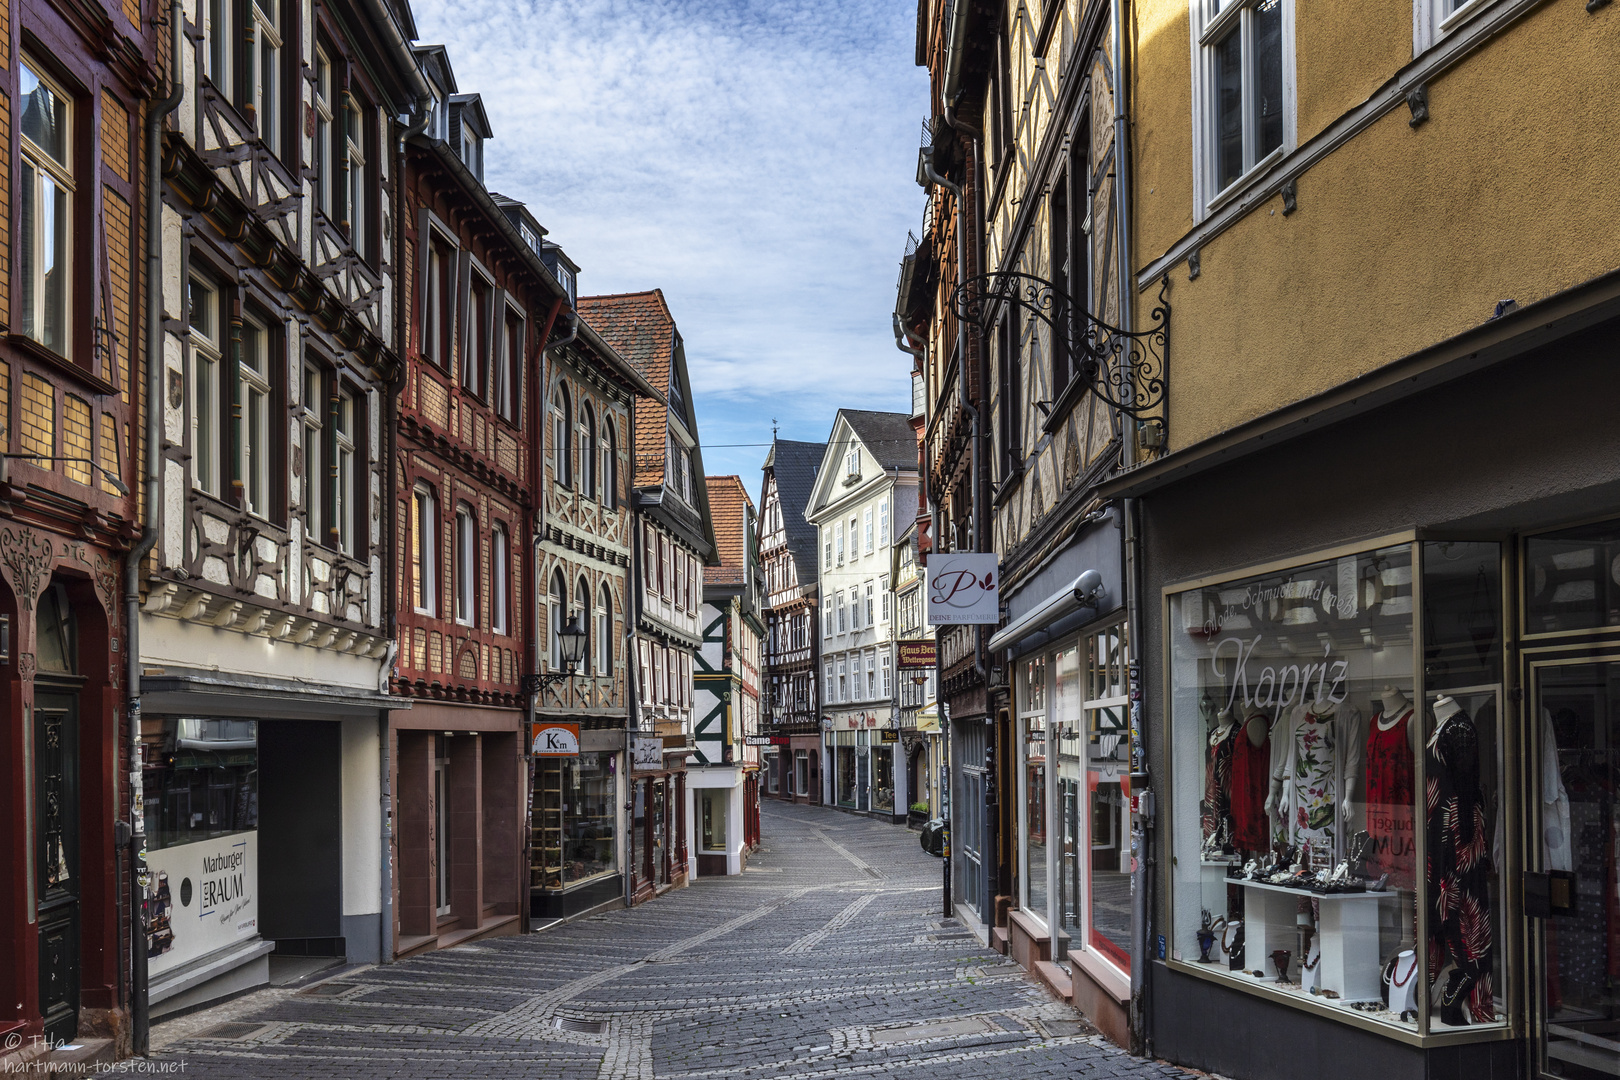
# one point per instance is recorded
(72, 82)
(584, 532)
(674, 540)
(790, 689)
(723, 770)
(265, 634)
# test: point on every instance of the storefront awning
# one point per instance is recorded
(1043, 616)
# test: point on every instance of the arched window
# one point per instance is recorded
(562, 408)
(604, 632)
(466, 566)
(424, 545)
(582, 609)
(559, 612)
(610, 464)
(587, 450)
(500, 575)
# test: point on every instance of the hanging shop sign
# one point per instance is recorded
(962, 589)
(917, 654)
(557, 740)
(647, 754)
(889, 736)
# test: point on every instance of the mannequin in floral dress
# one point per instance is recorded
(1459, 868)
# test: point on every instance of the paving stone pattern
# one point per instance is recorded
(827, 958)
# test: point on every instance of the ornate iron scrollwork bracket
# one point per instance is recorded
(1125, 369)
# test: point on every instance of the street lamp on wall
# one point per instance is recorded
(571, 641)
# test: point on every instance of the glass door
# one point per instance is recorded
(660, 832)
(441, 830)
(1575, 734)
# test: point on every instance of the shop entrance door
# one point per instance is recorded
(1575, 732)
(441, 831)
(660, 837)
(56, 855)
(863, 778)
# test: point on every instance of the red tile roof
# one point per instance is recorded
(640, 328)
(728, 500)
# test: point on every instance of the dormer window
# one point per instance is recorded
(472, 153)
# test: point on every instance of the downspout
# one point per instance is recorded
(632, 719)
(1142, 824)
(140, 1018)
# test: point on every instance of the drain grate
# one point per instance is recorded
(585, 1027)
(327, 989)
(234, 1030)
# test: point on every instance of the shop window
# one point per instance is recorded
(1302, 736)
(1032, 791)
(46, 210)
(801, 772)
(575, 817)
(201, 778)
(883, 778)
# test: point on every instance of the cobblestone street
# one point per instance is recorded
(827, 957)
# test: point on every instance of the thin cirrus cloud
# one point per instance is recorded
(755, 161)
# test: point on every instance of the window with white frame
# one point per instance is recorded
(354, 152)
(559, 610)
(424, 550)
(1245, 60)
(854, 537)
(508, 362)
(253, 399)
(562, 446)
(604, 632)
(843, 681)
(44, 220)
(883, 591)
(827, 668)
(313, 411)
(827, 621)
(587, 450)
(838, 542)
(852, 464)
(871, 603)
(325, 180)
(888, 677)
(883, 523)
(582, 611)
(871, 675)
(1434, 19)
(266, 78)
(500, 571)
(610, 463)
(854, 607)
(345, 458)
(475, 358)
(842, 616)
(466, 565)
(867, 526)
(202, 300)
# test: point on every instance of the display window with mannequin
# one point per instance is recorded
(1334, 735)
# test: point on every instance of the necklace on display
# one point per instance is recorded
(1226, 945)
(1395, 972)
(1386, 721)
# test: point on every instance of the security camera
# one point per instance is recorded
(1088, 587)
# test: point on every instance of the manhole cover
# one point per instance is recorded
(587, 1027)
(327, 989)
(934, 1029)
(235, 1030)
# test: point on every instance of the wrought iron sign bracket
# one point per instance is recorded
(1125, 369)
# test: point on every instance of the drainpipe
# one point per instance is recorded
(632, 720)
(139, 1005)
(1142, 825)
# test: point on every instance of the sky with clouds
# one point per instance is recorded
(755, 161)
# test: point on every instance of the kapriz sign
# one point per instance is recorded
(962, 588)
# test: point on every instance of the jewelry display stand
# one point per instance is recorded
(1347, 935)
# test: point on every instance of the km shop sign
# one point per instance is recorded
(556, 740)
(962, 588)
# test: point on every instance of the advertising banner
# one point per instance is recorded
(205, 896)
(962, 589)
